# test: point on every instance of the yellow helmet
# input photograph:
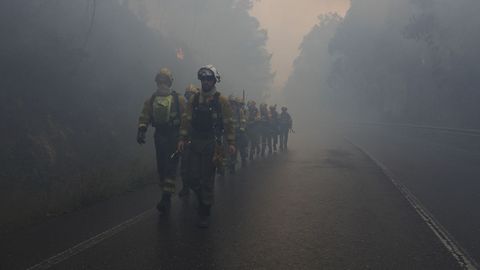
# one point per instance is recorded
(239, 100)
(164, 75)
(191, 89)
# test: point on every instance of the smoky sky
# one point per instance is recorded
(287, 22)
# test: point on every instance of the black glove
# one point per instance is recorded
(141, 135)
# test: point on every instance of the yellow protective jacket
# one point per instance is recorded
(146, 118)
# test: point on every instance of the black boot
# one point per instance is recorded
(163, 206)
(184, 192)
(244, 163)
(232, 169)
(221, 171)
(204, 215)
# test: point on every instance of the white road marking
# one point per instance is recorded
(460, 255)
(66, 254)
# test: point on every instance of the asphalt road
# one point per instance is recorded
(322, 205)
(441, 168)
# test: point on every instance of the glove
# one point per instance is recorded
(141, 134)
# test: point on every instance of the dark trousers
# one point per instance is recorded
(201, 170)
(184, 167)
(283, 138)
(241, 144)
(266, 139)
(165, 146)
(254, 139)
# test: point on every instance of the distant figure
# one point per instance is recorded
(265, 132)
(239, 123)
(207, 123)
(285, 125)
(253, 129)
(241, 135)
(274, 126)
(163, 111)
(190, 91)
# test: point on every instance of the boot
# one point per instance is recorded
(221, 171)
(163, 206)
(232, 169)
(184, 192)
(204, 215)
(244, 163)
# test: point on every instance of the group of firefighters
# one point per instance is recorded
(206, 133)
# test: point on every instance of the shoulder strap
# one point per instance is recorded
(196, 100)
(150, 101)
(218, 108)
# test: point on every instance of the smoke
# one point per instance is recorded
(217, 32)
(402, 61)
(75, 75)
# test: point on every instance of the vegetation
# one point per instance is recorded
(74, 77)
(403, 61)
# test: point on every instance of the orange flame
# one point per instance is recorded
(180, 54)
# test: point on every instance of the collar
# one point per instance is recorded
(163, 90)
(209, 93)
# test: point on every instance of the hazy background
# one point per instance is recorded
(74, 75)
(287, 22)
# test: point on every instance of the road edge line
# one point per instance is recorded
(459, 253)
(82, 246)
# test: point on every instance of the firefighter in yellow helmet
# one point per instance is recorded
(274, 131)
(265, 133)
(241, 136)
(190, 91)
(207, 124)
(285, 125)
(239, 122)
(163, 110)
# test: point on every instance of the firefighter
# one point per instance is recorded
(285, 125)
(239, 123)
(252, 129)
(190, 91)
(163, 111)
(207, 123)
(265, 133)
(274, 131)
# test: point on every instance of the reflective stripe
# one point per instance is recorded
(169, 185)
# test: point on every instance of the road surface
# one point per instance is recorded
(323, 205)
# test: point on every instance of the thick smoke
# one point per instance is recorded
(75, 75)
(403, 61)
(218, 32)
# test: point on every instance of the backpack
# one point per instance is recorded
(162, 113)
